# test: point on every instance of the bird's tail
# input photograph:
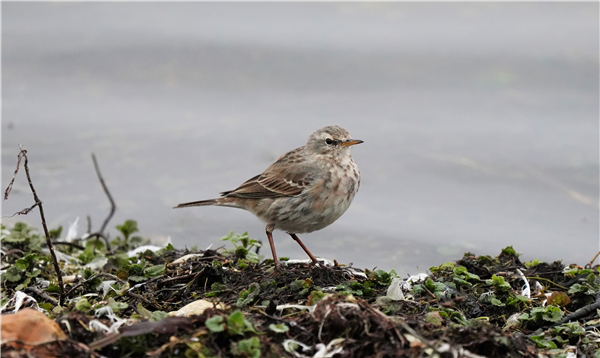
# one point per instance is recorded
(198, 203)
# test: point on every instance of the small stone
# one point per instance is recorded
(30, 327)
(195, 308)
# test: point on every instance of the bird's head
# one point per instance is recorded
(331, 140)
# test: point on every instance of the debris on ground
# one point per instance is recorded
(165, 302)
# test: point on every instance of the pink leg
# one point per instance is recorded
(270, 237)
(314, 260)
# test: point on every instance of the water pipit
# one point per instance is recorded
(305, 190)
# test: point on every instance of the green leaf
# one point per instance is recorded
(532, 263)
(83, 305)
(87, 255)
(142, 311)
(34, 273)
(235, 323)
(47, 306)
(128, 228)
(499, 284)
(251, 347)
(279, 328)
(459, 280)
(13, 274)
(548, 313)
(24, 284)
(542, 342)
(253, 257)
(215, 324)
(52, 287)
(116, 306)
(164, 250)
(497, 302)
(136, 278)
(509, 251)
(154, 271)
(158, 315)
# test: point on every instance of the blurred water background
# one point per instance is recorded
(480, 120)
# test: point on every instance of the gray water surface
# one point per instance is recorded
(480, 120)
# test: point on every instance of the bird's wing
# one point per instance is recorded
(283, 178)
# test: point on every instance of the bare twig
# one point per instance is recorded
(112, 202)
(545, 279)
(41, 294)
(9, 187)
(101, 274)
(38, 203)
(72, 244)
(24, 211)
(13, 252)
(143, 299)
(582, 312)
(591, 264)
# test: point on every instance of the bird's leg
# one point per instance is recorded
(269, 231)
(314, 260)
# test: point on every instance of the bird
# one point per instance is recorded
(305, 190)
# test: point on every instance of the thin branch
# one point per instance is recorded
(23, 153)
(591, 264)
(582, 312)
(143, 299)
(112, 202)
(22, 212)
(545, 279)
(13, 252)
(9, 187)
(101, 274)
(72, 244)
(41, 294)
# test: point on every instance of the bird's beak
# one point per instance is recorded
(350, 142)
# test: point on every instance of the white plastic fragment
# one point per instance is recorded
(407, 285)
(96, 326)
(290, 346)
(526, 289)
(66, 323)
(97, 263)
(325, 262)
(143, 248)
(310, 309)
(116, 322)
(538, 286)
(72, 232)
(184, 258)
(329, 350)
(152, 248)
(19, 299)
(394, 292)
(323, 351)
(327, 312)
(417, 278)
(355, 272)
(106, 286)
(195, 308)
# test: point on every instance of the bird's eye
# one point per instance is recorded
(329, 141)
